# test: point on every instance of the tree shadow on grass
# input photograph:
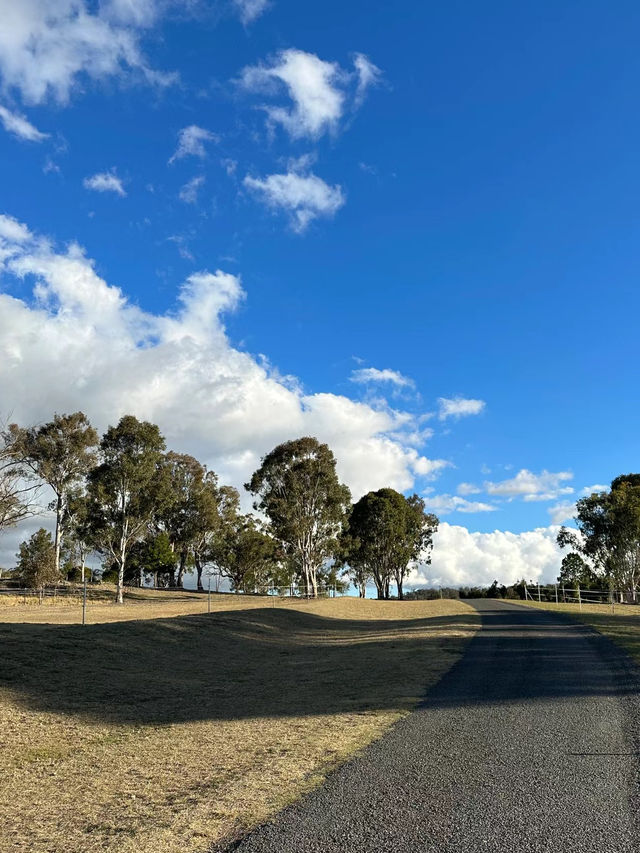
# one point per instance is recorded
(226, 665)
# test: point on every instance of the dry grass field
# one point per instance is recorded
(162, 728)
(622, 625)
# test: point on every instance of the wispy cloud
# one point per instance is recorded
(303, 197)
(105, 182)
(321, 91)
(365, 375)
(445, 504)
(249, 10)
(562, 512)
(189, 192)
(459, 407)
(191, 142)
(19, 126)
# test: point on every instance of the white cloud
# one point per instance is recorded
(80, 344)
(368, 75)
(459, 407)
(48, 46)
(468, 489)
(320, 90)
(249, 10)
(191, 142)
(463, 558)
(562, 512)
(189, 192)
(303, 197)
(373, 374)
(589, 490)
(19, 126)
(105, 182)
(545, 486)
(444, 504)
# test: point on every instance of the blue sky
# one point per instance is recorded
(444, 191)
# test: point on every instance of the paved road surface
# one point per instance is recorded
(529, 744)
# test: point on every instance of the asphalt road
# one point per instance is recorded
(530, 743)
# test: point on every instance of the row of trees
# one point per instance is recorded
(150, 512)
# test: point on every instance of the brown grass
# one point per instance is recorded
(146, 733)
(622, 625)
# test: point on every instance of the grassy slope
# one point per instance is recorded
(622, 626)
(168, 734)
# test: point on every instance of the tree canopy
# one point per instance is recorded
(298, 490)
(386, 532)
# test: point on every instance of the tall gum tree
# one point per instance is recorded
(18, 495)
(59, 453)
(609, 532)
(127, 490)
(298, 490)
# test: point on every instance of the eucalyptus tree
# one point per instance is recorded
(180, 517)
(217, 510)
(246, 554)
(608, 534)
(18, 495)
(77, 542)
(297, 488)
(385, 534)
(128, 490)
(60, 453)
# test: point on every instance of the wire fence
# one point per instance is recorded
(84, 595)
(562, 594)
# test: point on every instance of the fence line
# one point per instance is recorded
(562, 594)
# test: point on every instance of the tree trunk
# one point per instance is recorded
(198, 571)
(121, 562)
(183, 563)
(57, 542)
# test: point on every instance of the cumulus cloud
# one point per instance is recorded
(463, 558)
(191, 142)
(19, 126)
(189, 192)
(105, 182)
(304, 197)
(46, 47)
(444, 504)
(365, 375)
(78, 343)
(320, 91)
(545, 486)
(249, 10)
(459, 407)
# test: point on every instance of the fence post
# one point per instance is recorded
(84, 600)
(579, 599)
(209, 596)
(556, 593)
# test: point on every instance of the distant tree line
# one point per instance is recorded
(153, 515)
